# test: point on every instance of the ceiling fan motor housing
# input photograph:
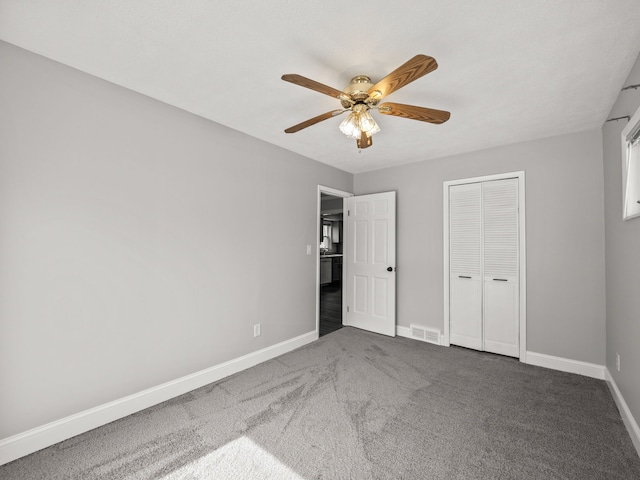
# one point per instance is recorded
(357, 90)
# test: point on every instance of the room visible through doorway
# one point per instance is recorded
(331, 241)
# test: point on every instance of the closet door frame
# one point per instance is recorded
(522, 267)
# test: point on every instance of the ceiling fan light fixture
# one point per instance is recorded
(367, 124)
(350, 127)
(358, 122)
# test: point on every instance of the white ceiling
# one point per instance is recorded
(509, 70)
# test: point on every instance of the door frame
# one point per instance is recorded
(336, 193)
(522, 267)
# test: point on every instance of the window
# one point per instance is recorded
(326, 237)
(631, 168)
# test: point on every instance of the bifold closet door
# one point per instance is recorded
(465, 286)
(500, 264)
(483, 266)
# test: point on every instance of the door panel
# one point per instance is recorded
(465, 247)
(380, 237)
(501, 244)
(360, 241)
(465, 229)
(370, 233)
(360, 295)
(501, 329)
(500, 227)
(380, 289)
(466, 312)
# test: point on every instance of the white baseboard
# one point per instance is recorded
(625, 413)
(403, 331)
(22, 444)
(566, 365)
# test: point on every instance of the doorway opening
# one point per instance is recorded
(330, 259)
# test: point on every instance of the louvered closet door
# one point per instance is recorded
(465, 288)
(500, 245)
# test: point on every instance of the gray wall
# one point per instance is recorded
(565, 238)
(623, 257)
(138, 243)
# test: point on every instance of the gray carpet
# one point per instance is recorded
(356, 405)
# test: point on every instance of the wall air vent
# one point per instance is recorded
(425, 334)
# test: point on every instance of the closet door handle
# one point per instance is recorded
(500, 280)
(463, 276)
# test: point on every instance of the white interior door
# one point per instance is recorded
(371, 262)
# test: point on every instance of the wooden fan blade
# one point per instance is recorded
(313, 121)
(364, 141)
(415, 68)
(313, 85)
(412, 112)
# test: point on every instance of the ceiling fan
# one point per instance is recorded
(361, 96)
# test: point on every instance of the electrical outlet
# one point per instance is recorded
(256, 330)
(618, 361)
(308, 249)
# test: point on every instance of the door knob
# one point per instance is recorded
(389, 269)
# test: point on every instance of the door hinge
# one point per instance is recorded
(348, 213)
(347, 308)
